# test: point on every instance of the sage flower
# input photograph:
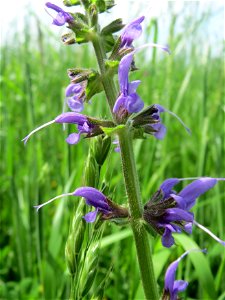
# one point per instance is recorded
(172, 287)
(168, 212)
(75, 96)
(93, 197)
(62, 17)
(131, 32)
(84, 126)
(150, 121)
(128, 99)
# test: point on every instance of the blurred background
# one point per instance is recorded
(189, 82)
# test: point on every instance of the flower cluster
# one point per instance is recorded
(168, 212)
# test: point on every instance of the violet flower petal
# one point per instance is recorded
(167, 238)
(59, 20)
(161, 130)
(123, 72)
(53, 6)
(167, 186)
(134, 103)
(131, 32)
(90, 193)
(75, 105)
(177, 214)
(196, 189)
(132, 86)
(73, 138)
(91, 216)
(180, 286)
(71, 117)
(73, 88)
(179, 200)
(120, 102)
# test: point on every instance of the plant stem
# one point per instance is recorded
(131, 184)
(134, 198)
(108, 83)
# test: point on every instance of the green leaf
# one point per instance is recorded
(200, 263)
(103, 5)
(112, 65)
(112, 130)
(113, 27)
(71, 2)
(108, 41)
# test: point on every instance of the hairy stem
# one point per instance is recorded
(131, 184)
(107, 81)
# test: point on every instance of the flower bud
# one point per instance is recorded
(68, 38)
(101, 148)
(91, 172)
(78, 75)
(93, 13)
(74, 243)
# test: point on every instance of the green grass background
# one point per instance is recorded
(189, 82)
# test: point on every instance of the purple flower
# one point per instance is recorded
(98, 200)
(131, 32)
(168, 212)
(172, 287)
(150, 121)
(92, 196)
(128, 98)
(75, 95)
(62, 17)
(83, 123)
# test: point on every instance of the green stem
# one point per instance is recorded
(134, 198)
(131, 184)
(107, 81)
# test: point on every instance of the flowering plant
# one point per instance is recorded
(167, 212)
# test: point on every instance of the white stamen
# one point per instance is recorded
(210, 233)
(49, 13)
(178, 118)
(37, 129)
(202, 177)
(191, 250)
(162, 47)
(51, 200)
